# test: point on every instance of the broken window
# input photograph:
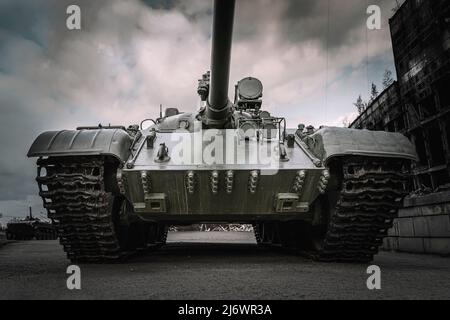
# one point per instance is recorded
(441, 178)
(447, 130)
(400, 123)
(428, 106)
(444, 93)
(420, 147)
(425, 181)
(436, 144)
(391, 127)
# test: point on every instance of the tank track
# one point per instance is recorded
(267, 234)
(257, 232)
(73, 192)
(368, 201)
(162, 238)
(371, 195)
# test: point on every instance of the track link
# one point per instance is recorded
(257, 231)
(370, 195)
(74, 194)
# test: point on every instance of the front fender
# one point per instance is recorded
(328, 143)
(112, 142)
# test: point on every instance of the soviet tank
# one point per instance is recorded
(30, 228)
(330, 194)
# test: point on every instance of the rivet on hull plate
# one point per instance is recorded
(323, 182)
(299, 181)
(121, 182)
(253, 181)
(229, 181)
(146, 183)
(215, 182)
(190, 182)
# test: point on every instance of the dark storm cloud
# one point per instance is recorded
(329, 22)
(161, 4)
(294, 21)
(52, 78)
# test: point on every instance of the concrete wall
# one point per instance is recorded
(423, 226)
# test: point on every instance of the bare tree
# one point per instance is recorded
(387, 79)
(397, 6)
(373, 93)
(360, 105)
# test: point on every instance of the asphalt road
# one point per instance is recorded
(230, 266)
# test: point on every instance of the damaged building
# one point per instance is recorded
(418, 105)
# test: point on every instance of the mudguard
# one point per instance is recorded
(328, 143)
(113, 142)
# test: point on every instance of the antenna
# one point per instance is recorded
(160, 111)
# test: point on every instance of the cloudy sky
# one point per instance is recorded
(314, 58)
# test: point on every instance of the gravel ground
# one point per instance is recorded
(229, 266)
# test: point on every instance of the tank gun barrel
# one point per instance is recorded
(218, 104)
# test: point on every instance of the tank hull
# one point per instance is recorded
(213, 175)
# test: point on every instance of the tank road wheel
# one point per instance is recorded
(355, 215)
(266, 233)
(162, 231)
(257, 231)
(272, 234)
(81, 195)
(54, 235)
(293, 234)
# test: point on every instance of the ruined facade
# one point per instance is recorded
(418, 105)
(385, 113)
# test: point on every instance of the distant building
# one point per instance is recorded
(385, 113)
(421, 43)
(418, 105)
